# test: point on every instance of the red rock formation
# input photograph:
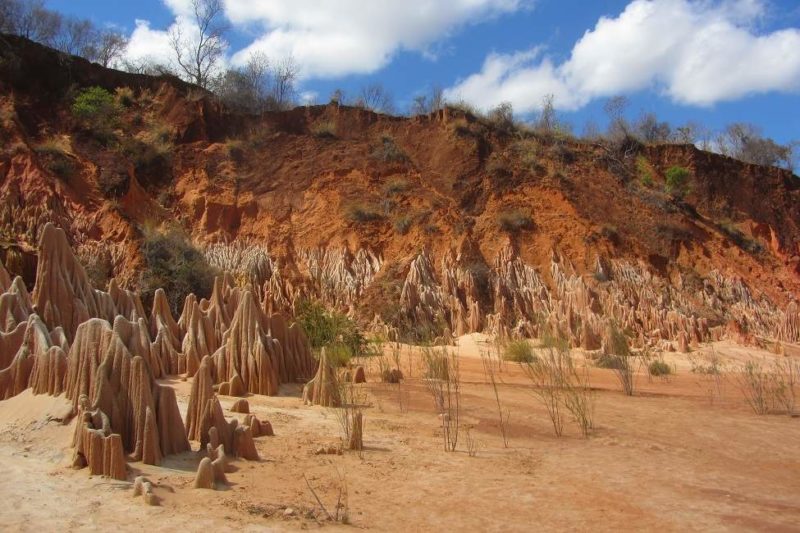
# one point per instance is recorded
(15, 306)
(117, 382)
(5, 278)
(64, 295)
(204, 479)
(243, 444)
(31, 364)
(202, 392)
(247, 351)
(96, 446)
(258, 427)
(49, 371)
(324, 388)
(240, 406)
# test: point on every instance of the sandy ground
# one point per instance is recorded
(682, 454)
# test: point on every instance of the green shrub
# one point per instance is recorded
(514, 221)
(172, 262)
(645, 176)
(659, 368)
(519, 352)
(363, 213)
(339, 354)
(335, 331)
(95, 106)
(677, 181)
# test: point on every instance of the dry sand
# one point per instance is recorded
(681, 455)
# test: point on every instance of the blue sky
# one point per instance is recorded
(709, 61)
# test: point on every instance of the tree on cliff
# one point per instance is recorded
(200, 47)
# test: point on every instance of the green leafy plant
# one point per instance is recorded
(95, 106)
(677, 181)
(335, 331)
(173, 263)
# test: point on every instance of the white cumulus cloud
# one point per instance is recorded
(146, 44)
(331, 38)
(696, 52)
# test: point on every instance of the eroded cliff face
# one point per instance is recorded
(420, 227)
(106, 353)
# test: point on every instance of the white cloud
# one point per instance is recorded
(331, 38)
(696, 52)
(147, 44)
(523, 79)
(309, 97)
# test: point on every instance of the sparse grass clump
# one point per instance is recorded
(608, 362)
(622, 360)
(515, 221)
(362, 213)
(324, 130)
(124, 96)
(113, 182)
(151, 154)
(96, 259)
(396, 186)
(55, 156)
(388, 151)
(560, 386)
(403, 224)
(659, 368)
(443, 381)
(772, 387)
(518, 352)
(527, 150)
(236, 150)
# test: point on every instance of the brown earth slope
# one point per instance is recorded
(424, 221)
